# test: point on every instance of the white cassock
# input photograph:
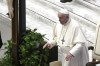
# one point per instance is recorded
(72, 38)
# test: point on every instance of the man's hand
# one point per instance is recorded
(47, 45)
(68, 56)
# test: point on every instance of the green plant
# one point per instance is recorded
(7, 59)
(30, 49)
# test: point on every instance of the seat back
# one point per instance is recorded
(96, 52)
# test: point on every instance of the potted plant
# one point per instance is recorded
(30, 49)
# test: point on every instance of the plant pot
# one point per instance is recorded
(55, 63)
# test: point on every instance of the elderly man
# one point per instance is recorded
(70, 40)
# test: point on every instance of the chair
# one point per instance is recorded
(95, 49)
(95, 57)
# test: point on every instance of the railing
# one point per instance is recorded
(41, 15)
(92, 3)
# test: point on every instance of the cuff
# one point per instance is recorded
(52, 42)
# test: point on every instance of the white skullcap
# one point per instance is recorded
(64, 11)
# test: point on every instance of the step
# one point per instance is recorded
(90, 4)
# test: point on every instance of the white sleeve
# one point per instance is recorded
(76, 49)
(79, 36)
(78, 41)
(54, 37)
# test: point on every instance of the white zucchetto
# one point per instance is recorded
(64, 11)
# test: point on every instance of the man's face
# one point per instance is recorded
(63, 18)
